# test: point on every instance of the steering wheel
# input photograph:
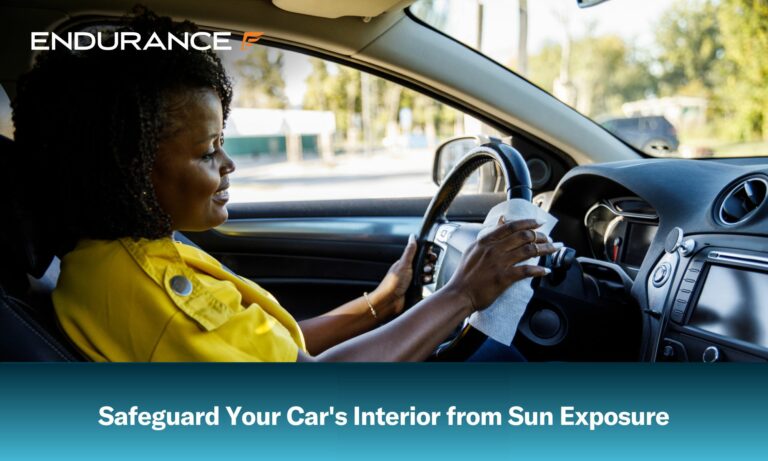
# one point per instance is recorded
(442, 243)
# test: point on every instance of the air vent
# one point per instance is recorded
(742, 201)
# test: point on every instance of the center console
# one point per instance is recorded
(712, 300)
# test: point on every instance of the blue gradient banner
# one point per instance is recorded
(52, 411)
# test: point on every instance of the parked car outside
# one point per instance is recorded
(654, 135)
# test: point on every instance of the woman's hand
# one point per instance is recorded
(487, 269)
(489, 265)
(389, 297)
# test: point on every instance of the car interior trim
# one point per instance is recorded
(342, 229)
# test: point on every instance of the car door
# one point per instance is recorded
(334, 173)
(316, 255)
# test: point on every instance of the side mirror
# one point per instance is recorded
(487, 178)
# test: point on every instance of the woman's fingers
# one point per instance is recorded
(518, 241)
(528, 251)
(504, 229)
(516, 273)
(520, 238)
(410, 250)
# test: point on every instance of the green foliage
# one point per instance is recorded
(544, 67)
(744, 99)
(604, 70)
(260, 79)
(713, 49)
(691, 49)
(340, 91)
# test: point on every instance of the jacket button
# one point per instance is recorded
(181, 285)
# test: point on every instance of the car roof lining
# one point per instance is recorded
(260, 15)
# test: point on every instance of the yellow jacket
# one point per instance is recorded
(158, 300)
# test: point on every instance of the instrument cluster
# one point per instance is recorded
(621, 231)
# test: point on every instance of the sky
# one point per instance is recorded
(631, 19)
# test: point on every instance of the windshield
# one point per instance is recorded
(673, 78)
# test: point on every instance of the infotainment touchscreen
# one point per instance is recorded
(734, 303)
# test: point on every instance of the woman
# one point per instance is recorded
(132, 150)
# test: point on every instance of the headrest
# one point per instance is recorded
(25, 246)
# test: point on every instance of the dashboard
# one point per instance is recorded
(690, 240)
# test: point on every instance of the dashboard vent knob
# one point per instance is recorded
(742, 201)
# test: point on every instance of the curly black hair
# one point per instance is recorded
(90, 121)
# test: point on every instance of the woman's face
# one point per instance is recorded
(190, 175)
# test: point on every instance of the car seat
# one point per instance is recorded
(28, 272)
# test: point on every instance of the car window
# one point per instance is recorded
(305, 128)
(692, 67)
(6, 114)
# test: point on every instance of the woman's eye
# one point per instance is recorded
(209, 155)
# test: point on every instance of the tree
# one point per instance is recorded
(544, 67)
(688, 34)
(260, 79)
(605, 71)
(339, 89)
(744, 98)
(317, 94)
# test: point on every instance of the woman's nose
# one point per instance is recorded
(228, 165)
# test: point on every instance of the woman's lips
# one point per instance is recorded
(221, 196)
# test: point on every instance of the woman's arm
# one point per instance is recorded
(346, 321)
(487, 269)
(355, 317)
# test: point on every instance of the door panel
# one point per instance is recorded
(316, 255)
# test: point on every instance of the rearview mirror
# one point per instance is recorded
(588, 3)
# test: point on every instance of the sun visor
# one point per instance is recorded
(338, 8)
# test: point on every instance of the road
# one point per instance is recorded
(404, 173)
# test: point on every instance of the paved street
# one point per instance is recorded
(404, 173)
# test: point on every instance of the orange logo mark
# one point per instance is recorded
(249, 38)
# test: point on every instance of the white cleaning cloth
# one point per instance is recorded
(499, 321)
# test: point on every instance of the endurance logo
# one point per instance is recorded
(108, 41)
(249, 38)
